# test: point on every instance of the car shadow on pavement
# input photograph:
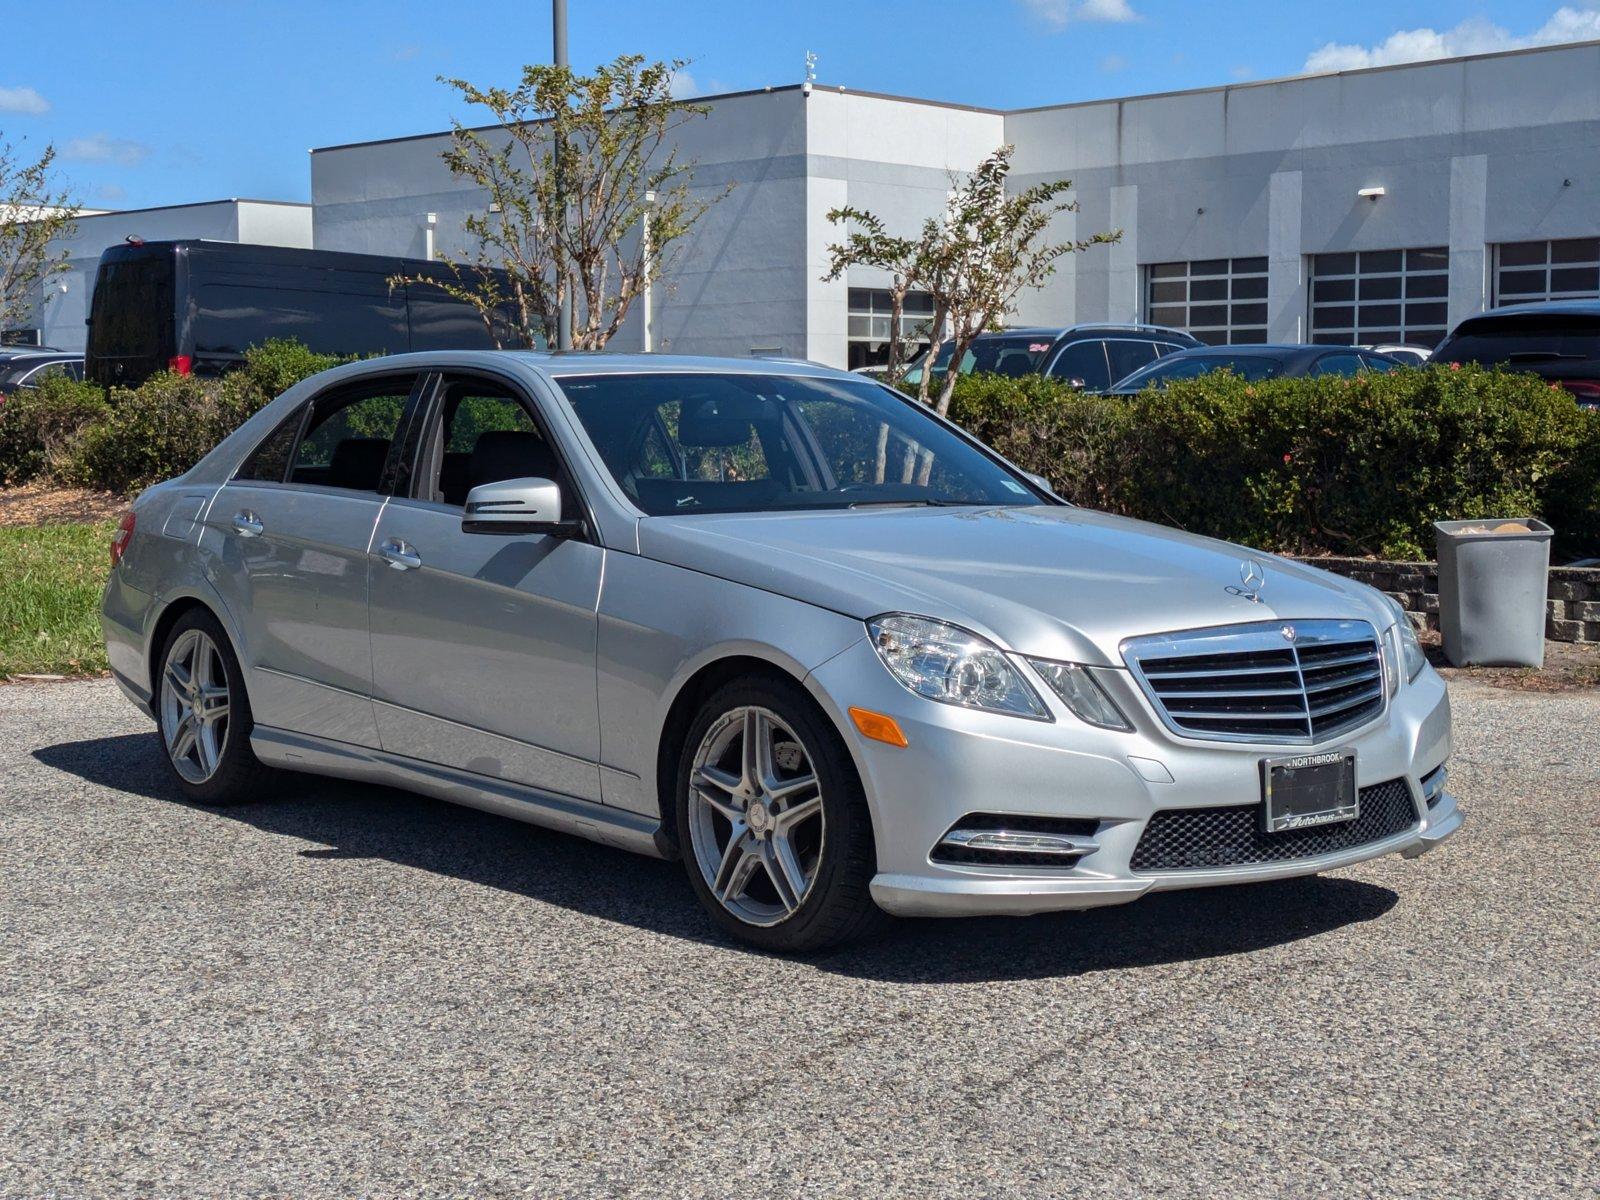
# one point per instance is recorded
(361, 821)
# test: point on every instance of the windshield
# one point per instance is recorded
(1521, 339)
(1245, 366)
(1000, 354)
(690, 443)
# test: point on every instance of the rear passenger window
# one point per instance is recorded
(1085, 361)
(346, 442)
(1127, 356)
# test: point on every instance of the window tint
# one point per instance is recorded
(683, 443)
(269, 461)
(1338, 364)
(1523, 340)
(346, 442)
(1127, 356)
(999, 353)
(487, 436)
(1085, 361)
(1245, 366)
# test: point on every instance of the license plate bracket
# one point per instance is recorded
(1305, 790)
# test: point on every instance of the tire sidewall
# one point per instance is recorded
(236, 753)
(844, 809)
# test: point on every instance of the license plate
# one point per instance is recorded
(1309, 789)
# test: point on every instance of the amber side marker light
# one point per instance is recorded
(878, 727)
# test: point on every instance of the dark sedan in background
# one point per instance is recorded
(31, 367)
(1091, 356)
(1254, 362)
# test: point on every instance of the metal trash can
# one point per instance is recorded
(1492, 590)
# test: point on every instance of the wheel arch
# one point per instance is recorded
(693, 692)
(173, 612)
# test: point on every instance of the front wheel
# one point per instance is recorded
(776, 835)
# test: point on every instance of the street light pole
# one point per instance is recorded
(558, 27)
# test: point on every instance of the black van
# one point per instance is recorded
(195, 306)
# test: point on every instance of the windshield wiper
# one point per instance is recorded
(919, 502)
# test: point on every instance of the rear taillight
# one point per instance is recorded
(180, 364)
(1584, 391)
(124, 535)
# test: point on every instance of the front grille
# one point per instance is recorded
(1194, 839)
(1271, 681)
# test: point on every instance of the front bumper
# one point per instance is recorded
(960, 762)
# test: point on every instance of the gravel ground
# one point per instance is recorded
(351, 991)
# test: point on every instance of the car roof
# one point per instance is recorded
(1284, 350)
(1090, 328)
(1586, 308)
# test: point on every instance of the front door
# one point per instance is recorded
(293, 528)
(483, 645)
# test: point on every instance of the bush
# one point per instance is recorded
(39, 425)
(1309, 466)
(139, 436)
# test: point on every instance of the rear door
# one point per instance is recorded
(483, 645)
(293, 528)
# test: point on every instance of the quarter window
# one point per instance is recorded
(1373, 297)
(1218, 300)
(1537, 271)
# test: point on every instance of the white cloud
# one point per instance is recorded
(1112, 63)
(405, 53)
(111, 191)
(1061, 13)
(684, 85)
(99, 147)
(23, 100)
(1475, 36)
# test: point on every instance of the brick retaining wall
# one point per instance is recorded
(1574, 604)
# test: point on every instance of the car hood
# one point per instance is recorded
(1057, 582)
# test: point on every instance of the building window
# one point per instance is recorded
(1537, 271)
(1218, 300)
(868, 335)
(1379, 297)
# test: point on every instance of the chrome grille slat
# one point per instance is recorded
(1249, 683)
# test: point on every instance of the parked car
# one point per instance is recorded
(30, 368)
(197, 306)
(1403, 353)
(666, 603)
(1254, 362)
(1558, 341)
(1092, 356)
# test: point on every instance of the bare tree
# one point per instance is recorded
(987, 246)
(623, 206)
(869, 244)
(34, 210)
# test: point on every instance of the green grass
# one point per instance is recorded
(51, 577)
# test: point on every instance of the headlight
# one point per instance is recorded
(948, 664)
(1079, 692)
(1406, 650)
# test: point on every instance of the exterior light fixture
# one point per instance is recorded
(1372, 193)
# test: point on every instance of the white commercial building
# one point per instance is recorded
(1370, 205)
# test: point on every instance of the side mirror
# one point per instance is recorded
(1077, 383)
(516, 506)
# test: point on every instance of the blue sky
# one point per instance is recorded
(161, 103)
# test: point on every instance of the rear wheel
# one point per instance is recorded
(776, 834)
(203, 714)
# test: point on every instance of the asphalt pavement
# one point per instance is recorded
(349, 991)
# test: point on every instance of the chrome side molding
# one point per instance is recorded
(565, 814)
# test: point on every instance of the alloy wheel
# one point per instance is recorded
(755, 815)
(194, 706)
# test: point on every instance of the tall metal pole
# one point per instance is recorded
(558, 27)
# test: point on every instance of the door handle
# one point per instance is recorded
(247, 524)
(402, 556)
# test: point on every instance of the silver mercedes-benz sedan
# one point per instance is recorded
(773, 619)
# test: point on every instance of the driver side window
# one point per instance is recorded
(486, 435)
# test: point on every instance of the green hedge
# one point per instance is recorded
(129, 438)
(1309, 466)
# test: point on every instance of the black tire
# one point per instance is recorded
(239, 776)
(838, 906)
